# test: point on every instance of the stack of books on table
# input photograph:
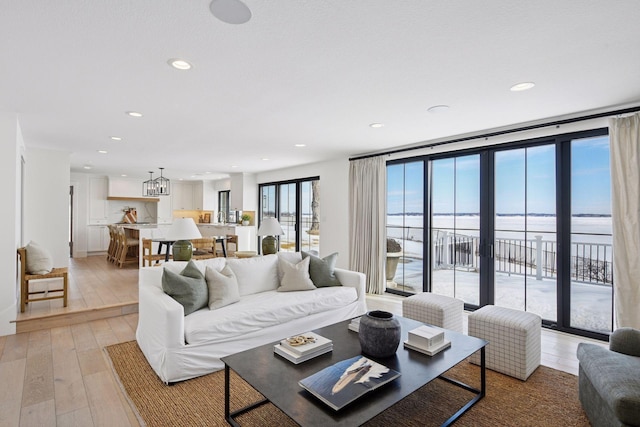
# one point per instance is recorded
(427, 340)
(354, 325)
(300, 348)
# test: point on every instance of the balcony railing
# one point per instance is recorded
(591, 263)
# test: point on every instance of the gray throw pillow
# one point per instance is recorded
(321, 270)
(223, 287)
(187, 287)
(295, 276)
(39, 259)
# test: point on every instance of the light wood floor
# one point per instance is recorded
(61, 376)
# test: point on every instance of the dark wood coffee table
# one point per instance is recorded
(277, 378)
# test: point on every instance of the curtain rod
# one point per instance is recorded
(503, 132)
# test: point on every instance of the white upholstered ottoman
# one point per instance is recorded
(514, 339)
(434, 309)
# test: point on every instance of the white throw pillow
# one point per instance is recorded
(223, 287)
(39, 259)
(291, 257)
(296, 276)
(257, 274)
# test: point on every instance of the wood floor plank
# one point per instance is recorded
(83, 337)
(105, 336)
(104, 400)
(122, 329)
(62, 338)
(15, 347)
(38, 380)
(91, 362)
(12, 378)
(69, 391)
(80, 418)
(39, 414)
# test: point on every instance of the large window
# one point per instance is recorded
(524, 225)
(296, 205)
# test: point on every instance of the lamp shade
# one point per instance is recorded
(270, 227)
(183, 229)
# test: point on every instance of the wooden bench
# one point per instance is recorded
(25, 278)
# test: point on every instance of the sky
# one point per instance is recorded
(525, 181)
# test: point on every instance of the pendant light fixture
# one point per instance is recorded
(160, 186)
(163, 185)
(148, 186)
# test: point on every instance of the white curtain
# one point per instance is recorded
(367, 208)
(625, 214)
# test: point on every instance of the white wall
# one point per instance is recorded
(334, 202)
(12, 145)
(46, 202)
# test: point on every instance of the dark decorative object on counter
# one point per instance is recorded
(379, 333)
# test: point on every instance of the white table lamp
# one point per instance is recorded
(182, 230)
(269, 228)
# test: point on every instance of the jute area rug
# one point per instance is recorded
(548, 398)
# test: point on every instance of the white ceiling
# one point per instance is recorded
(316, 72)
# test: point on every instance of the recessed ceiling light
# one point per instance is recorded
(179, 64)
(208, 173)
(115, 138)
(234, 166)
(522, 86)
(133, 114)
(438, 109)
(264, 158)
(87, 167)
(300, 145)
(124, 174)
(376, 125)
(102, 151)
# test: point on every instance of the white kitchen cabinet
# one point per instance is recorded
(97, 238)
(98, 204)
(204, 196)
(182, 196)
(165, 210)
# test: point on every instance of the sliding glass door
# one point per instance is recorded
(296, 205)
(524, 225)
(525, 248)
(455, 227)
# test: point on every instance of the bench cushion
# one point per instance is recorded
(259, 311)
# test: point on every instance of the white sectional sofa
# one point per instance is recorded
(180, 347)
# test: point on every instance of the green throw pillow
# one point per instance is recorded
(189, 287)
(321, 270)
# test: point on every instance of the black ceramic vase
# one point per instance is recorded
(379, 333)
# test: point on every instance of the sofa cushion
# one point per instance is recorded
(257, 274)
(295, 276)
(223, 287)
(39, 259)
(292, 257)
(611, 375)
(259, 311)
(187, 287)
(321, 270)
